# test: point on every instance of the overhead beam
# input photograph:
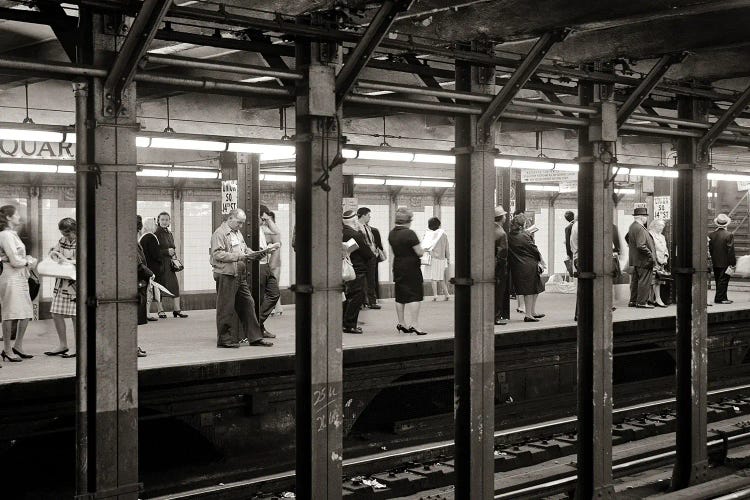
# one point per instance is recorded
(519, 78)
(362, 52)
(136, 43)
(723, 122)
(428, 80)
(647, 85)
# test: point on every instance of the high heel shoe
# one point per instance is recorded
(8, 358)
(414, 330)
(163, 315)
(22, 354)
(179, 314)
(401, 328)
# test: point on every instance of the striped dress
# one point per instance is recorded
(64, 294)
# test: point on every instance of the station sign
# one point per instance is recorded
(568, 187)
(546, 176)
(662, 207)
(229, 196)
(30, 150)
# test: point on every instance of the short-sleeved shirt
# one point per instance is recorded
(403, 240)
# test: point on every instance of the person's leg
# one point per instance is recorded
(372, 282)
(400, 313)
(521, 302)
(412, 310)
(634, 286)
(433, 284)
(270, 288)
(245, 308)
(20, 331)
(157, 299)
(529, 305)
(722, 283)
(62, 337)
(9, 326)
(533, 304)
(355, 297)
(177, 306)
(645, 279)
(656, 293)
(226, 327)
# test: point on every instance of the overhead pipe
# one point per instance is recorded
(245, 69)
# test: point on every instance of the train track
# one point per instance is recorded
(428, 466)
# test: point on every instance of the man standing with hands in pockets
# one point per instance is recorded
(229, 255)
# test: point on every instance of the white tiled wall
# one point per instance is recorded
(51, 216)
(282, 221)
(196, 245)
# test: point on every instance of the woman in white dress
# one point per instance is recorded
(435, 242)
(15, 300)
(662, 257)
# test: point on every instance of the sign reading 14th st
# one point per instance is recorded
(229, 196)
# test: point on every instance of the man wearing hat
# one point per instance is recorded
(721, 248)
(355, 289)
(502, 306)
(641, 253)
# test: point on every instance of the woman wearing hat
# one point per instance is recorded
(662, 257)
(407, 275)
(721, 248)
(525, 264)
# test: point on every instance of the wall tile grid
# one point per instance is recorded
(196, 246)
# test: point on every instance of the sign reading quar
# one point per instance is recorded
(37, 150)
(229, 196)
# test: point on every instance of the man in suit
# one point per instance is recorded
(372, 238)
(355, 289)
(502, 307)
(721, 248)
(641, 252)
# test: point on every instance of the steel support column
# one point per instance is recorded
(107, 289)
(475, 289)
(318, 275)
(595, 147)
(691, 263)
(647, 84)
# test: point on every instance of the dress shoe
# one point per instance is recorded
(55, 353)
(179, 314)
(261, 343)
(141, 353)
(22, 354)
(66, 355)
(418, 332)
(526, 319)
(229, 346)
(401, 328)
(501, 321)
(715, 302)
(537, 316)
(151, 318)
(657, 304)
(355, 329)
(163, 315)
(268, 335)
(375, 306)
(10, 358)
(644, 306)
(614, 308)
(631, 304)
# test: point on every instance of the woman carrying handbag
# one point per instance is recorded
(170, 264)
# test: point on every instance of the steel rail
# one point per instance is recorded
(246, 69)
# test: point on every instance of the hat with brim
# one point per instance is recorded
(640, 211)
(349, 214)
(722, 220)
(500, 211)
(404, 216)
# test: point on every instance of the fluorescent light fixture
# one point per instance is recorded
(541, 187)
(142, 142)
(195, 145)
(194, 173)
(28, 167)
(171, 49)
(428, 158)
(620, 171)
(379, 92)
(66, 169)
(268, 152)
(652, 172)
(349, 153)
(717, 176)
(69, 138)
(437, 184)
(566, 167)
(532, 165)
(385, 155)
(279, 178)
(402, 182)
(503, 162)
(30, 135)
(369, 181)
(153, 172)
(625, 190)
(258, 79)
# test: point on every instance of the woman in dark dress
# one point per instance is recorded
(407, 274)
(526, 264)
(165, 275)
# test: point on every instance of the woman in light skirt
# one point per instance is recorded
(435, 242)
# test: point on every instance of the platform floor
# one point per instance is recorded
(179, 342)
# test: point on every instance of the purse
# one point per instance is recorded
(425, 259)
(55, 269)
(176, 265)
(347, 270)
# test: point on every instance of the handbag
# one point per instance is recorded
(56, 269)
(347, 270)
(381, 255)
(426, 259)
(176, 265)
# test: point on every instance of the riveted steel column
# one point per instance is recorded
(690, 267)
(475, 291)
(595, 148)
(318, 275)
(107, 205)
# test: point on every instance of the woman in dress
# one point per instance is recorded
(274, 259)
(435, 242)
(150, 246)
(64, 293)
(15, 300)
(407, 275)
(662, 257)
(525, 264)
(165, 275)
